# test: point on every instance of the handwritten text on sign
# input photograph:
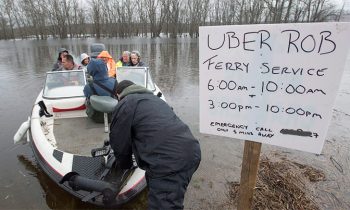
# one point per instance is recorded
(274, 84)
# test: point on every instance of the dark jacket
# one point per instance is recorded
(140, 63)
(146, 125)
(57, 66)
(98, 70)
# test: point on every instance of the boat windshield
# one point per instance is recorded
(64, 84)
(138, 75)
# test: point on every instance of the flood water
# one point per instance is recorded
(174, 67)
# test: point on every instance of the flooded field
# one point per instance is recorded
(174, 67)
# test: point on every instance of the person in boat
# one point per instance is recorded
(124, 60)
(58, 65)
(68, 63)
(135, 57)
(109, 61)
(100, 84)
(84, 59)
(146, 126)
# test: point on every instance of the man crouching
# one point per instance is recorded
(146, 126)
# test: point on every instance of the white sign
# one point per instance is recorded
(274, 84)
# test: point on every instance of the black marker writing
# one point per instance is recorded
(233, 41)
(262, 39)
(214, 64)
(229, 106)
(300, 71)
(271, 87)
(230, 125)
(298, 132)
(292, 111)
(248, 39)
(226, 85)
(332, 44)
(309, 43)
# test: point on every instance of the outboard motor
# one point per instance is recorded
(77, 182)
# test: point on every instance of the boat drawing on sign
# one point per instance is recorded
(72, 149)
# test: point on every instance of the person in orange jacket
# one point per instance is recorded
(109, 61)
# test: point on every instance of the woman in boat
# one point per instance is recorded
(101, 84)
(84, 59)
(136, 59)
(58, 65)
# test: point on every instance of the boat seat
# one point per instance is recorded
(105, 104)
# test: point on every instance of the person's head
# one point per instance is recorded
(62, 52)
(126, 57)
(84, 59)
(97, 69)
(68, 62)
(135, 57)
(105, 56)
(121, 86)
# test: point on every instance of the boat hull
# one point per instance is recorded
(62, 137)
(56, 163)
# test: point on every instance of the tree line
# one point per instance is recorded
(125, 18)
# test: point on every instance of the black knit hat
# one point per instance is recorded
(122, 85)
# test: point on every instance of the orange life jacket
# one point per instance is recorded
(110, 63)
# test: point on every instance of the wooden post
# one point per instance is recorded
(250, 165)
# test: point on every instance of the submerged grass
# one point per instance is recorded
(280, 185)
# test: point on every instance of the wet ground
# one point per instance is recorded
(174, 66)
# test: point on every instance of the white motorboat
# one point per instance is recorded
(71, 148)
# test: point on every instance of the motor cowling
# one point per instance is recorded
(77, 182)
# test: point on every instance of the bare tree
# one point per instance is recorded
(174, 11)
(125, 18)
(34, 12)
(254, 11)
(142, 17)
(341, 12)
(164, 5)
(3, 22)
(287, 15)
(121, 20)
(17, 18)
(57, 18)
(8, 10)
(321, 11)
(241, 12)
(151, 8)
(96, 7)
(198, 11)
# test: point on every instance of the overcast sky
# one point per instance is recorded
(341, 2)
